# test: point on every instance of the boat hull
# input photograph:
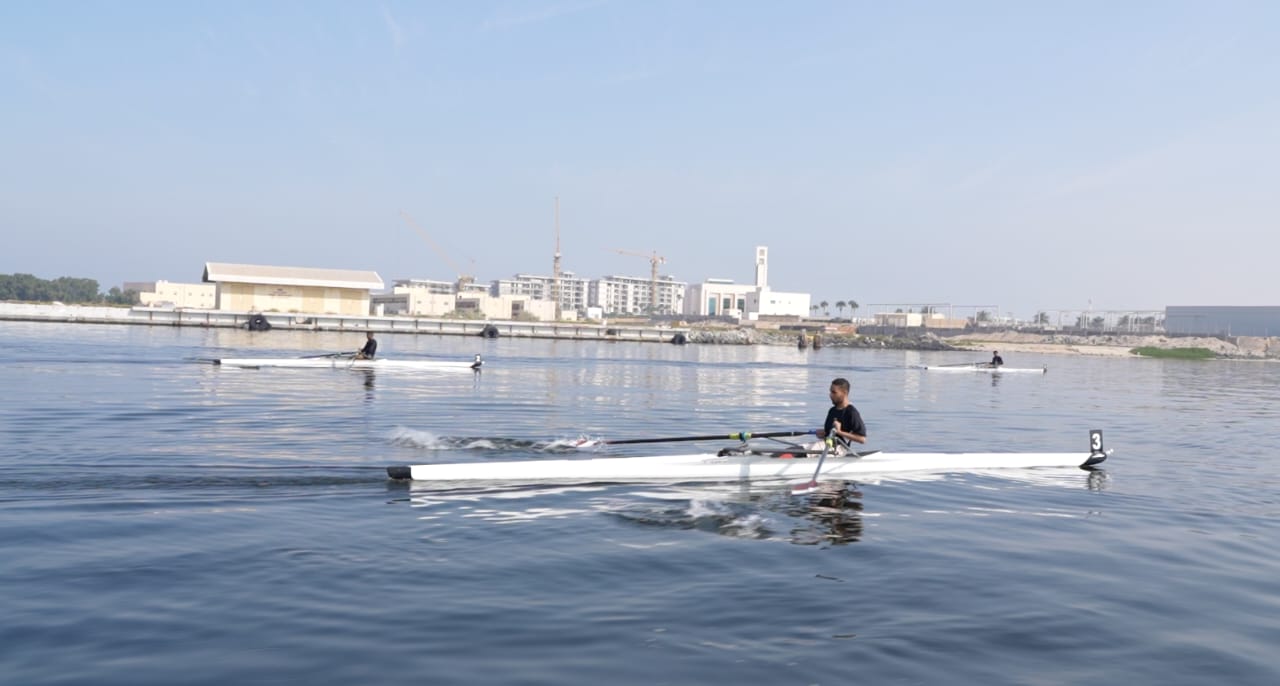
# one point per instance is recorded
(712, 467)
(990, 370)
(348, 363)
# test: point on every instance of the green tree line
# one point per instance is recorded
(67, 289)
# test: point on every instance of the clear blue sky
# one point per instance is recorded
(1032, 155)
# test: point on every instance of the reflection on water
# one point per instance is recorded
(830, 515)
(368, 375)
(834, 514)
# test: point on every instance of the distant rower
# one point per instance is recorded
(996, 360)
(369, 349)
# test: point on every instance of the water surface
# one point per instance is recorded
(163, 520)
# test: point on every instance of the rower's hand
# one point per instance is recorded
(835, 427)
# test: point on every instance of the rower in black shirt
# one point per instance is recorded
(370, 347)
(996, 360)
(843, 423)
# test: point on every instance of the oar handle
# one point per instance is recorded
(739, 436)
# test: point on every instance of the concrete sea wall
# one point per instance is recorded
(148, 316)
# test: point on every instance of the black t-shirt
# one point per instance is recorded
(370, 347)
(996, 361)
(850, 421)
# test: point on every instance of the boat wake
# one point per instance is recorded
(830, 516)
(427, 440)
(722, 517)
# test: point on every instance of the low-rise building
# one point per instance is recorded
(426, 298)
(718, 298)
(264, 288)
(203, 296)
(723, 297)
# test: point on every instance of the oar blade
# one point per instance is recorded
(805, 488)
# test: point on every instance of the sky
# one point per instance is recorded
(1022, 156)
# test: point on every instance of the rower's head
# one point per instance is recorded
(368, 335)
(839, 391)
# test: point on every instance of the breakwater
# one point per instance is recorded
(148, 316)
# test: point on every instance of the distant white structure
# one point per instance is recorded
(203, 296)
(428, 298)
(573, 290)
(718, 297)
(265, 288)
(634, 295)
(723, 297)
(430, 286)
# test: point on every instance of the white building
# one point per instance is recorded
(427, 298)
(722, 297)
(573, 291)
(263, 288)
(430, 285)
(766, 302)
(203, 296)
(634, 295)
(718, 297)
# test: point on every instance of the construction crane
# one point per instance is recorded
(555, 265)
(463, 278)
(654, 260)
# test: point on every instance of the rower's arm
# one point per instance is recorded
(850, 436)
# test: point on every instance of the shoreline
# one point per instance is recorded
(1099, 345)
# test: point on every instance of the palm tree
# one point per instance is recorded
(853, 307)
(1042, 318)
(840, 306)
(983, 316)
(826, 307)
(814, 308)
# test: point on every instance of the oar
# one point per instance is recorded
(740, 436)
(813, 483)
(962, 364)
(312, 357)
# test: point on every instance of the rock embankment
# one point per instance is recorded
(1236, 347)
(1239, 347)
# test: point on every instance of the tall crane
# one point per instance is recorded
(654, 260)
(463, 278)
(555, 264)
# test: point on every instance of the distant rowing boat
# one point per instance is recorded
(346, 362)
(736, 466)
(987, 368)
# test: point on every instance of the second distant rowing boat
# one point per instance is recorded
(988, 368)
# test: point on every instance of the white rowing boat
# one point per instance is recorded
(346, 362)
(742, 466)
(988, 368)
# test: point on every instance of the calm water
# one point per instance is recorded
(167, 521)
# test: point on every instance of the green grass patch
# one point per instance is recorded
(1175, 353)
